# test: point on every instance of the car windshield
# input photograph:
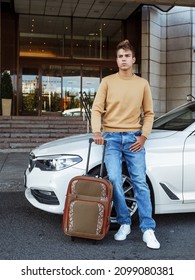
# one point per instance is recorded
(178, 119)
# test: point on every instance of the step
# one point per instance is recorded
(23, 133)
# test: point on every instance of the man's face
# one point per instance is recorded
(125, 59)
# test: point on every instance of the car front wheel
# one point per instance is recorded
(128, 192)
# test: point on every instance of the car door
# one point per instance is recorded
(189, 169)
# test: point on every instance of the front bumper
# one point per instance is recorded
(47, 190)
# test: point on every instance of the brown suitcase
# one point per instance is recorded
(88, 205)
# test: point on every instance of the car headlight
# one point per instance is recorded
(54, 162)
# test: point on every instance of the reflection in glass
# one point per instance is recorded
(61, 87)
(71, 87)
(97, 39)
(91, 79)
(44, 36)
(30, 90)
(51, 88)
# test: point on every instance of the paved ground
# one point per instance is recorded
(12, 166)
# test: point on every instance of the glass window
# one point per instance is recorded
(51, 88)
(48, 36)
(44, 36)
(71, 87)
(91, 80)
(177, 119)
(30, 90)
(90, 84)
(109, 71)
(95, 38)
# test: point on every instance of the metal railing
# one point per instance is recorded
(86, 104)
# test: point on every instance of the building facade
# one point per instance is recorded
(52, 65)
(168, 55)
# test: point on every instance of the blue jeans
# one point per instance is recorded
(117, 149)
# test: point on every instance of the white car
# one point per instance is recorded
(170, 158)
(73, 112)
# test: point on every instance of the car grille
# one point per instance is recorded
(45, 197)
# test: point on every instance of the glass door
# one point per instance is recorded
(55, 88)
(79, 82)
(91, 80)
(29, 103)
(51, 89)
(71, 88)
(90, 84)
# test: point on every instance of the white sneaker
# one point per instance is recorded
(122, 233)
(150, 239)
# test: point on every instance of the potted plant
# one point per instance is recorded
(6, 93)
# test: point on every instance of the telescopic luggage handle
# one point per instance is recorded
(91, 140)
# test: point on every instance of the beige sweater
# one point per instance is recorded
(124, 101)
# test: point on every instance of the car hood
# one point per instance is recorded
(58, 146)
(74, 143)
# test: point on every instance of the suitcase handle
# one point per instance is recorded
(91, 140)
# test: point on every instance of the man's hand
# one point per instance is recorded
(98, 139)
(137, 146)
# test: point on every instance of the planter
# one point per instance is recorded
(6, 107)
(6, 93)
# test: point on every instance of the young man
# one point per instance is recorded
(124, 97)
